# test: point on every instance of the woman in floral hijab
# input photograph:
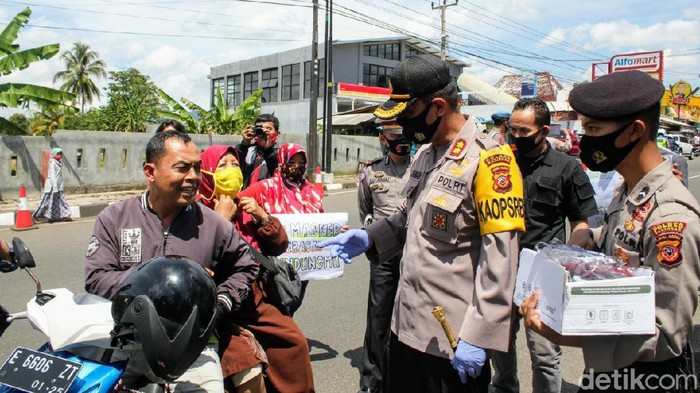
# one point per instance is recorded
(287, 191)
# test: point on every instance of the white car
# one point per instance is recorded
(684, 144)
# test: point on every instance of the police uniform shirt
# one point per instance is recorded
(656, 224)
(556, 188)
(380, 186)
(446, 261)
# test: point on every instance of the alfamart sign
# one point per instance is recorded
(650, 62)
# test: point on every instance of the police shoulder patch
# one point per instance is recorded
(669, 240)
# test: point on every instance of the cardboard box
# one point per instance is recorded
(600, 307)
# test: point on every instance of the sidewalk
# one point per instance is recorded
(90, 205)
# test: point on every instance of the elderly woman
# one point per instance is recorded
(287, 191)
(284, 357)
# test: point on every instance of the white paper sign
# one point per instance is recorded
(536, 272)
(604, 185)
(305, 231)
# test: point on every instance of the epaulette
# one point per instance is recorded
(372, 161)
(486, 142)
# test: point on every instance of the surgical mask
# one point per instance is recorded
(400, 147)
(599, 153)
(227, 181)
(416, 129)
(294, 173)
(526, 144)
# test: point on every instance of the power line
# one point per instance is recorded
(170, 20)
(492, 59)
(528, 29)
(161, 34)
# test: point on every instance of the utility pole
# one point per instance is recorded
(313, 92)
(328, 141)
(443, 36)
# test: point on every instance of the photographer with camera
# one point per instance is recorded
(258, 149)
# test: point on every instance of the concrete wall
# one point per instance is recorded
(114, 160)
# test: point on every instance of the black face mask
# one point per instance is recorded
(526, 144)
(416, 129)
(599, 153)
(400, 147)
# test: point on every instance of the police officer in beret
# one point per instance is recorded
(379, 196)
(653, 221)
(458, 233)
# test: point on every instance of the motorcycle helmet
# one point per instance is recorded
(169, 305)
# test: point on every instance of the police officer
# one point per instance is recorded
(458, 233)
(556, 189)
(500, 126)
(379, 196)
(653, 221)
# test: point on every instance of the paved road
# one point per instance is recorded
(332, 317)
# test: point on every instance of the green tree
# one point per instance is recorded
(94, 119)
(82, 64)
(133, 101)
(20, 120)
(16, 95)
(47, 120)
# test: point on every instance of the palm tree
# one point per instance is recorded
(82, 63)
(21, 94)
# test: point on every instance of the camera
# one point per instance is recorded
(258, 130)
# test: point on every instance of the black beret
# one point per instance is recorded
(412, 78)
(616, 95)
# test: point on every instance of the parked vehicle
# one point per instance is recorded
(87, 352)
(684, 146)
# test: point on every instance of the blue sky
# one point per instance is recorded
(176, 42)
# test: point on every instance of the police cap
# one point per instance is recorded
(616, 95)
(390, 127)
(500, 115)
(414, 77)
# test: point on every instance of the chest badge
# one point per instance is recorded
(629, 225)
(622, 255)
(440, 201)
(439, 221)
(459, 170)
(640, 212)
(379, 174)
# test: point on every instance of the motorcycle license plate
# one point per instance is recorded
(38, 372)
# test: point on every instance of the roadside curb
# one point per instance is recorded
(89, 210)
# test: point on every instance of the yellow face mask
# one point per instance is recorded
(228, 181)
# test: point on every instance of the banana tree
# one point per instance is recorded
(217, 120)
(21, 94)
(181, 112)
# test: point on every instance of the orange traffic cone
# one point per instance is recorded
(23, 218)
(318, 181)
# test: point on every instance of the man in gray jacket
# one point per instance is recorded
(166, 220)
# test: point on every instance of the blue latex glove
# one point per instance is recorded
(347, 245)
(468, 360)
